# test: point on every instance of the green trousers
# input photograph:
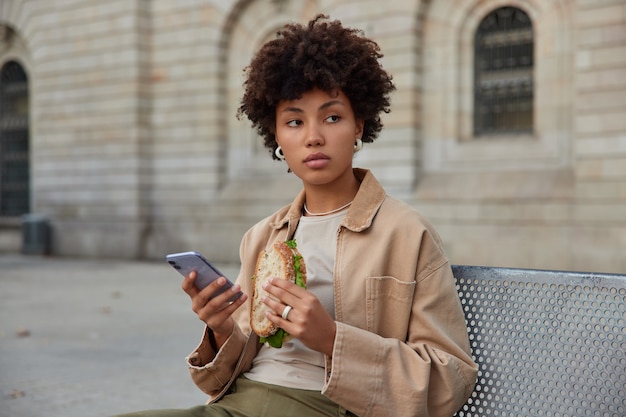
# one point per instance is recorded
(254, 399)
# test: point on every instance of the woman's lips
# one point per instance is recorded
(316, 160)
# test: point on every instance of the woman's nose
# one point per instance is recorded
(314, 136)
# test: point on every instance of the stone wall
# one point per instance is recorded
(85, 61)
(136, 150)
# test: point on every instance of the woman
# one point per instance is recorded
(379, 331)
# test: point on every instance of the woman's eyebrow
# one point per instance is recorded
(292, 109)
(331, 103)
(322, 107)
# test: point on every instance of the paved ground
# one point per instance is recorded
(93, 337)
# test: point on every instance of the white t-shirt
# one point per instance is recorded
(294, 365)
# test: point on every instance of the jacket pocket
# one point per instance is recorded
(388, 306)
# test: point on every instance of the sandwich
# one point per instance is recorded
(281, 260)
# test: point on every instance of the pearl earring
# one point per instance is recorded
(279, 153)
(358, 145)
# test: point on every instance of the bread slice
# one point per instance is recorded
(279, 261)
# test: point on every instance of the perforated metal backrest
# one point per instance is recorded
(547, 343)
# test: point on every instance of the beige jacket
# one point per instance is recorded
(401, 347)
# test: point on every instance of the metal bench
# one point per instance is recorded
(547, 343)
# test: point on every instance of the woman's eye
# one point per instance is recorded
(333, 119)
(294, 123)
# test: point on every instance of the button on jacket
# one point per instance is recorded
(401, 346)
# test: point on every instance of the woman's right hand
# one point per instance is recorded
(215, 312)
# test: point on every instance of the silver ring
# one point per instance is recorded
(286, 312)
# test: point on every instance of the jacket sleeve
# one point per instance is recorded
(211, 371)
(430, 374)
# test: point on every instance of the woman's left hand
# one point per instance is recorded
(307, 320)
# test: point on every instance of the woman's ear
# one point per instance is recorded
(359, 129)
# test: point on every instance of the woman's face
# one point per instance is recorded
(317, 133)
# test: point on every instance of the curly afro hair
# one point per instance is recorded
(322, 55)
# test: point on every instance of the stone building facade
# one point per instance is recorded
(133, 147)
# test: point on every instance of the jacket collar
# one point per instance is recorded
(360, 215)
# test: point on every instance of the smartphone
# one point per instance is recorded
(186, 262)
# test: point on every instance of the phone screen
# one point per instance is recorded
(186, 262)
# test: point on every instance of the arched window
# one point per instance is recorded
(14, 147)
(503, 73)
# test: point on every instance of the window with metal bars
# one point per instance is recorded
(503, 73)
(14, 141)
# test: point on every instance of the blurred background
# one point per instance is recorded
(119, 136)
